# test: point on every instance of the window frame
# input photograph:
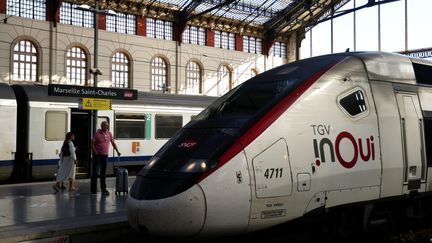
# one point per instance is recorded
(221, 75)
(31, 61)
(124, 23)
(252, 44)
(37, 8)
(158, 72)
(194, 35)
(159, 29)
(120, 71)
(72, 59)
(156, 125)
(141, 119)
(351, 92)
(279, 49)
(70, 14)
(224, 40)
(61, 134)
(193, 76)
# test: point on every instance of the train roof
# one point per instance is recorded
(40, 93)
(392, 67)
(6, 92)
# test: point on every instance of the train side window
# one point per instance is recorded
(167, 125)
(129, 126)
(55, 125)
(354, 103)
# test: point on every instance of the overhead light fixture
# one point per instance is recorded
(110, 12)
(84, 7)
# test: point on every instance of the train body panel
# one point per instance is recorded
(327, 132)
(45, 143)
(8, 111)
(333, 153)
(391, 141)
(233, 181)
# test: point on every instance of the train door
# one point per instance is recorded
(81, 124)
(108, 116)
(273, 184)
(411, 120)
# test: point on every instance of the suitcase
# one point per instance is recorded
(121, 181)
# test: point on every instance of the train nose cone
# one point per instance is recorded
(181, 215)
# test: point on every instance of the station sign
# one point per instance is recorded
(95, 104)
(92, 92)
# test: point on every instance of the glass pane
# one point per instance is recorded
(393, 26)
(343, 30)
(419, 17)
(167, 126)
(55, 125)
(367, 28)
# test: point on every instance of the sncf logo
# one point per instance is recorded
(128, 94)
(188, 144)
(363, 148)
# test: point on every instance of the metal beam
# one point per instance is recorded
(220, 5)
(182, 18)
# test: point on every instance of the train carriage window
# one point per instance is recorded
(167, 125)
(129, 126)
(354, 103)
(55, 125)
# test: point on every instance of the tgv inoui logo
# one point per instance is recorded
(363, 148)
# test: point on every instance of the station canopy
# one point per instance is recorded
(269, 18)
(274, 17)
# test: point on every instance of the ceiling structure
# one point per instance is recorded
(268, 19)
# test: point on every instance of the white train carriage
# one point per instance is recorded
(8, 111)
(140, 127)
(311, 136)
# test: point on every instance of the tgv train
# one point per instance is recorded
(34, 125)
(316, 135)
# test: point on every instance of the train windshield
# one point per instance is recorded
(197, 147)
(251, 99)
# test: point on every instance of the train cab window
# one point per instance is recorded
(167, 125)
(427, 115)
(130, 126)
(423, 73)
(55, 125)
(354, 103)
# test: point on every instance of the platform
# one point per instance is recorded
(33, 211)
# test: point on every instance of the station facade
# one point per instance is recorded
(53, 43)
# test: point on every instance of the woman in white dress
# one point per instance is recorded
(68, 159)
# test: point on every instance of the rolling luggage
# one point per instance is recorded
(121, 181)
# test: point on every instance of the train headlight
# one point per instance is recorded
(151, 162)
(198, 165)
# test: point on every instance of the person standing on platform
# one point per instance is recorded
(67, 166)
(100, 147)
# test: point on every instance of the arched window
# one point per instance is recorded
(120, 70)
(193, 78)
(76, 66)
(159, 74)
(224, 80)
(25, 62)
